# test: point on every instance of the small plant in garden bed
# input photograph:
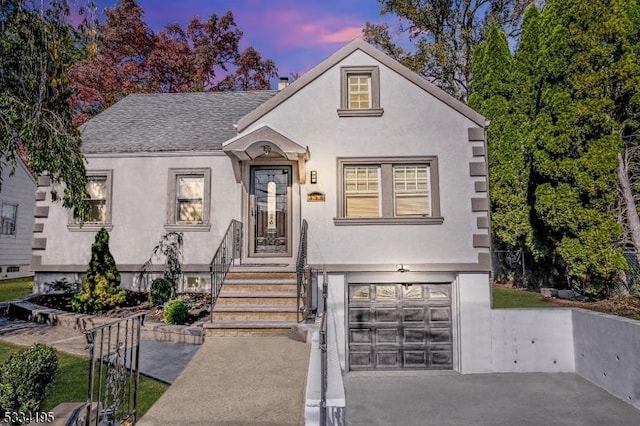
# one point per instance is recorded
(176, 312)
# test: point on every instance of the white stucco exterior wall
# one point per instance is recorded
(414, 123)
(336, 325)
(139, 211)
(474, 323)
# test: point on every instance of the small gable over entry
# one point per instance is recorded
(265, 141)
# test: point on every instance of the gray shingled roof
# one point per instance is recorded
(169, 122)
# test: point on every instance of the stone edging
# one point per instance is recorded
(23, 309)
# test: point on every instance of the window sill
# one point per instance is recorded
(343, 221)
(89, 227)
(374, 112)
(187, 227)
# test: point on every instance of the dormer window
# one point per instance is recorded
(360, 92)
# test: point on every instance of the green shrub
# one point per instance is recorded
(25, 378)
(161, 292)
(176, 312)
(101, 284)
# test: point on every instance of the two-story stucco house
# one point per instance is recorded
(16, 220)
(388, 171)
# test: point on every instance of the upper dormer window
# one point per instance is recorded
(360, 92)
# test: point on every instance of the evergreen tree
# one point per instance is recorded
(492, 93)
(101, 283)
(577, 140)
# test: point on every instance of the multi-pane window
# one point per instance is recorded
(388, 190)
(362, 191)
(96, 198)
(8, 217)
(189, 199)
(359, 91)
(411, 190)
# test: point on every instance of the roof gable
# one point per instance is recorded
(337, 57)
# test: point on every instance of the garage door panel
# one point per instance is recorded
(438, 292)
(439, 314)
(387, 336)
(361, 336)
(360, 293)
(440, 357)
(361, 360)
(413, 314)
(439, 335)
(413, 292)
(386, 314)
(414, 336)
(388, 358)
(359, 315)
(415, 359)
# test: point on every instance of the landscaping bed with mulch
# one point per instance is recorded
(197, 303)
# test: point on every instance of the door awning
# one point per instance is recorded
(261, 142)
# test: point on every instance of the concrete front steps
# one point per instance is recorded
(255, 301)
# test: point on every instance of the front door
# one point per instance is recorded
(269, 207)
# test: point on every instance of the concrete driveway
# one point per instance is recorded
(428, 398)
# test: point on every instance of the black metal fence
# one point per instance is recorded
(114, 354)
(230, 248)
(509, 267)
(303, 277)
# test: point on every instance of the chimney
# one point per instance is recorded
(284, 82)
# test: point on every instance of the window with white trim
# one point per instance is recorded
(388, 190)
(8, 218)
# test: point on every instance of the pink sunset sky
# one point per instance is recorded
(295, 34)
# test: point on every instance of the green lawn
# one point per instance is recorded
(71, 382)
(504, 297)
(15, 288)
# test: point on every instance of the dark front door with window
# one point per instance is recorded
(398, 326)
(269, 217)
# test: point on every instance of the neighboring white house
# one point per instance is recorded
(388, 170)
(16, 220)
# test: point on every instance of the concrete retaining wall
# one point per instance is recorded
(607, 353)
(532, 340)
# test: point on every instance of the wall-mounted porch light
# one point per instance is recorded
(402, 268)
(314, 176)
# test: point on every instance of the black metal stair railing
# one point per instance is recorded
(114, 354)
(230, 248)
(303, 277)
